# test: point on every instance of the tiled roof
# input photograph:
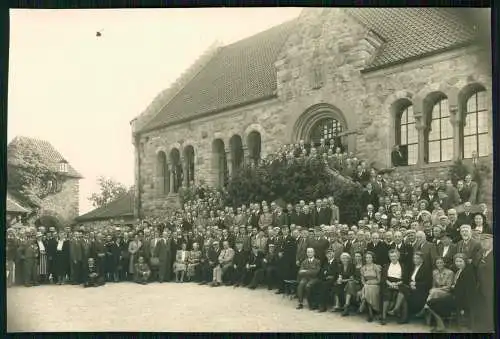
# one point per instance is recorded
(412, 32)
(121, 207)
(48, 154)
(244, 72)
(15, 206)
(238, 74)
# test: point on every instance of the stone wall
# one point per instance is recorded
(321, 64)
(63, 205)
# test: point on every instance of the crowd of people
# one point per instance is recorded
(411, 255)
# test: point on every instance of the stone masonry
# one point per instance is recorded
(321, 63)
(63, 205)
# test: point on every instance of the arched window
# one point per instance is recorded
(440, 133)
(474, 131)
(327, 129)
(162, 173)
(407, 134)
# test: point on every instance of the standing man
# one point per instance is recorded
(163, 251)
(76, 256)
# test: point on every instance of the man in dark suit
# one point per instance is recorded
(379, 248)
(254, 264)
(484, 310)
(471, 188)
(307, 276)
(321, 291)
(295, 216)
(306, 218)
(443, 200)
(164, 252)
(76, 257)
(322, 214)
(466, 217)
(51, 255)
(453, 227)
(240, 260)
(370, 212)
(452, 194)
(286, 259)
(279, 218)
(431, 197)
(369, 197)
(405, 250)
(468, 246)
(320, 245)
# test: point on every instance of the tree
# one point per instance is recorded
(110, 190)
(297, 181)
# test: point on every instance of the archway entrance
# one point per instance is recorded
(328, 129)
(254, 143)
(325, 121)
(175, 161)
(189, 159)
(219, 162)
(236, 146)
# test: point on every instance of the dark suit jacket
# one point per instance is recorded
(423, 278)
(369, 198)
(164, 249)
(470, 192)
(257, 260)
(448, 258)
(463, 219)
(322, 217)
(240, 258)
(453, 230)
(312, 267)
(329, 271)
(320, 246)
(397, 159)
(295, 218)
(280, 220)
(465, 290)
(381, 252)
(472, 250)
(306, 220)
(75, 250)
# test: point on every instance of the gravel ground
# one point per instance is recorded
(172, 307)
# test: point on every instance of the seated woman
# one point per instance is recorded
(180, 265)
(346, 285)
(142, 271)
(370, 279)
(461, 296)
(92, 278)
(442, 279)
(194, 258)
(393, 276)
(416, 291)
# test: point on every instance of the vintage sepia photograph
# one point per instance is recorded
(250, 170)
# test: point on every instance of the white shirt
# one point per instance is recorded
(60, 245)
(415, 271)
(183, 255)
(394, 271)
(41, 246)
(445, 250)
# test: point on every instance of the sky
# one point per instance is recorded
(80, 92)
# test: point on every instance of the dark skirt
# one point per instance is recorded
(389, 294)
(416, 299)
(443, 306)
(61, 264)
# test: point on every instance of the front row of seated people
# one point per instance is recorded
(392, 290)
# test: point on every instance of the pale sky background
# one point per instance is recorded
(80, 92)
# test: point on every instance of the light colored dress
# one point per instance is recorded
(193, 262)
(370, 275)
(133, 248)
(181, 260)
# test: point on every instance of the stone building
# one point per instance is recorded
(57, 199)
(372, 77)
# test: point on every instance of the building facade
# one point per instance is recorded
(373, 78)
(50, 201)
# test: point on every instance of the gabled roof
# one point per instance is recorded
(14, 206)
(412, 32)
(238, 74)
(47, 153)
(119, 208)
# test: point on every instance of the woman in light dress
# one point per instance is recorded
(180, 264)
(370, 278)
(133, 247)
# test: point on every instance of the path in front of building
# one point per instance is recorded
(172, 307)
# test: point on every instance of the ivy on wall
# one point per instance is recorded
(28, 175)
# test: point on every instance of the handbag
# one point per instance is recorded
(155, 261)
